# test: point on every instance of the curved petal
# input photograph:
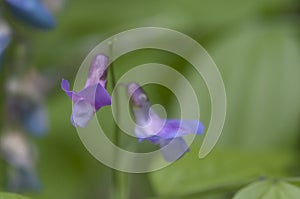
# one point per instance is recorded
(149, 124)
(96, 95)
(177, 128)
(65, 86)
(173, 149)
(97, 71)
(141, 133)
(102, 97)
(137, 96)
(33, 12)
(82, 113)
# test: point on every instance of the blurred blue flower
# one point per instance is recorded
(167, 133)
(5, 37)
(26, 103)
(93, 96)
(33, 117)
(21, 158)
(33, 12)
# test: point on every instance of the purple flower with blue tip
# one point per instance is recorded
(167, 133)
(32, 12)
(94, 94)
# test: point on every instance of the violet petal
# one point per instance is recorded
(177, 128)
(82, 113)
(148, 123)
(96, 95)
(65, 86)
(97, 72)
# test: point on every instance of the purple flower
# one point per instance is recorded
(93, 96)
(167, 133)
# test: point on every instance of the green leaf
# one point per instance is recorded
(11, 196)
(222, 169)
(269, 189)
(254, 190)
(289, 191)
(213, 196)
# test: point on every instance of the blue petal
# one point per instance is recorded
(33, 12)
(4, 41)
(23, 179)
(177, 128)
(5, 36)
(173, 149)
(36, 120)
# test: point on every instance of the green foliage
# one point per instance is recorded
(221, 170)
(256, 47)
(260, 67)
(269, 189)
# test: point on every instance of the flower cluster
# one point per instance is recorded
(167, 133)
(26, 117)
(25, 111)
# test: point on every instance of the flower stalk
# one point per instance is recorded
(119, 181)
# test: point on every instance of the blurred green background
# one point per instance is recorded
(255, 44)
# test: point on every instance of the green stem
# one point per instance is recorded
(119, 180)
(114, 180)
(113, 81)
